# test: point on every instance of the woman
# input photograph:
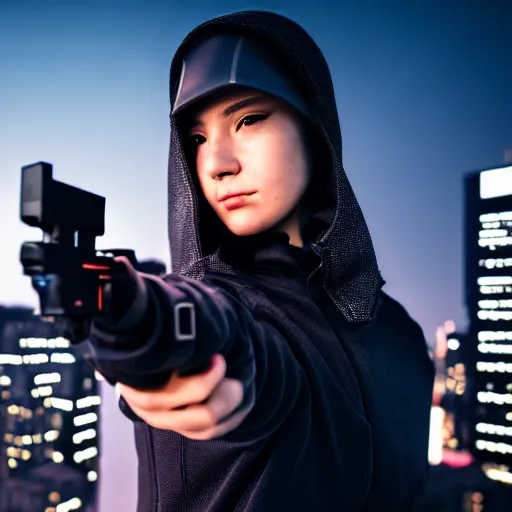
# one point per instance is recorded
(318, 391)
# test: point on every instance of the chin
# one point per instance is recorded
(242, 231)
(247, 228)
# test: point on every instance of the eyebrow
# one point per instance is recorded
(231, 109)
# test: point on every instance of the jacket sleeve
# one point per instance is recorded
(185, 322)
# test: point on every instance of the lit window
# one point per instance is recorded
(92, 476)
(58, 457)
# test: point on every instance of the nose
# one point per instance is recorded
(221, 161)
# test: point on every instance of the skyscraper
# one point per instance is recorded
(488, 294)
(49, 419)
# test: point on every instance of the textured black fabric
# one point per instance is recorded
(352, 277)
(340, 416)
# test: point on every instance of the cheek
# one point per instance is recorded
(283, 168)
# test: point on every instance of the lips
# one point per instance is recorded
(229, 195)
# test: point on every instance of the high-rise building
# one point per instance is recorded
(49, 419)
(488, 295)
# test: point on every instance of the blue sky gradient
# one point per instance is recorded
(423, 92)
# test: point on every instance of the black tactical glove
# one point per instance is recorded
(125, 302)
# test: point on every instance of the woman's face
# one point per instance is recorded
(249, 145)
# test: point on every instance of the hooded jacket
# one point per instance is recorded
(336, 374)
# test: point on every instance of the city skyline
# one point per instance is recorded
(49, 435)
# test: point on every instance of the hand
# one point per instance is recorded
(125, 290)
(193, 406)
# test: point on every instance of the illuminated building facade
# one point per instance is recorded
(49, 419)
(488, 293)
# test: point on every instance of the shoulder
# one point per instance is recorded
(394, 337)
(392, 314)
(394, 326)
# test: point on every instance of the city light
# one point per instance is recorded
(435, 443)
(58, 457)
(498, 430)
(490, 367)
(54, 497)
(92, 476)
(491, 446)
(13, 452)
(79, 437)
(500, 475)
(5, 380)
(495, 336)
(68, 506)
(491, 263)
(87, 454)
(51, 435)
(489, 397)
(88, 401)
(495, 217)
(61, 403)
(47, 378)
(496, 183)
(13, 410)
(45, 390)
(494, 348)
(10, 359)
(494, 280)
(495, 316)
(488, 233)
(84, 419)
(35, 358)
(62, 358)
(44, 343)
(453, 344)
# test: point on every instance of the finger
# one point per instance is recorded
(178, 391)
(218, 430)
(225, 399)
(123, 267)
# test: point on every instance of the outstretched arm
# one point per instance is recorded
(257, 378)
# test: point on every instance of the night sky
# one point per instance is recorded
(424, 93)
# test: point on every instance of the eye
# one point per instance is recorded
(196, 140)
(251, 119)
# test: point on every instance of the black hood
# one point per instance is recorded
(337, 231)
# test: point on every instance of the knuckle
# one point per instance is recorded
(210, 417)
(236, 390)
(145, 401)
(199, 391)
